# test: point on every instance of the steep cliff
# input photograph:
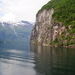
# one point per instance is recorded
(49, 30)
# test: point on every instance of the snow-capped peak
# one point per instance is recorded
(16, 23)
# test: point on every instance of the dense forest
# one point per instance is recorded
(64, 12)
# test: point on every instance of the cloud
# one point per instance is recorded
(22, 9)
(0, 1)
(9, 17)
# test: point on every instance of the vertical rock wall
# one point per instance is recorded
(45, 30)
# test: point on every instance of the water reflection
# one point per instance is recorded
(15, 60)
(53, 61)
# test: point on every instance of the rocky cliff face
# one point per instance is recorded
(55, 24)
(45, 30)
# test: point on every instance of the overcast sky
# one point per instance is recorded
(20, 9)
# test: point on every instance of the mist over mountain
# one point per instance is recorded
(15, 32)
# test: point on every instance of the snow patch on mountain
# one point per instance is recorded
(16, 23)
(15, 31)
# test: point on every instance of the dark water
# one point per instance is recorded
(21, 59)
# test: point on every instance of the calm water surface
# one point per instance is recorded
(22, 59)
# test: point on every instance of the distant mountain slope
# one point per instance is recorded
(15, 32)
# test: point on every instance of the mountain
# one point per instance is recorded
(15, 32)
(55, 24)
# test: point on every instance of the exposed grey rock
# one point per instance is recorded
(45, 30)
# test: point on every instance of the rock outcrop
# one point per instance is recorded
(55, 26)
(45, 30)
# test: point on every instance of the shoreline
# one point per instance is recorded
(70, 46)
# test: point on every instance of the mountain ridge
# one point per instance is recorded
(15, 32)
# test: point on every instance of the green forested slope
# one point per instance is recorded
(64, 10)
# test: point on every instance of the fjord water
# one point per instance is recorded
(23, 59)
